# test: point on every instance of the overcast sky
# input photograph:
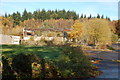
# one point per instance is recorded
(108, 8)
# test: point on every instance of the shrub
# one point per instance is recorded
(7, 70)
(22, 64)
(49, 43)
(73, 63)
(114, 38)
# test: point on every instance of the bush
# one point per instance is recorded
(49, 43)
(22, 64)
(73, 63)
(7, 71)
(34, 43)
(114, 38)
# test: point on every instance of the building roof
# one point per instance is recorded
(49, 29)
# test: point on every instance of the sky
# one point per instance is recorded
(59, 0)
(109, 9)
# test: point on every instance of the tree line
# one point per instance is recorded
(50, 14)
(42, 15)
(94, 32)
(98, 16)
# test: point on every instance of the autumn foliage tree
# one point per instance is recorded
(117, 26)
(8, 28)
(97, 32)
(76, 32)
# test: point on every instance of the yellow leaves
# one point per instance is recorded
(73, 34)
(4, 20)
(36, 69)
(97, 31)
(7, 21)
(77, 25)
(77, 30)
(47, 66)
(16, 30)
(51, 34)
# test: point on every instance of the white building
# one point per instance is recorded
(9, 39)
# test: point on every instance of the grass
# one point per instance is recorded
(71, 59)
(44, 51)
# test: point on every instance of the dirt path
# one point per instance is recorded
(106, 55)
(109, 68)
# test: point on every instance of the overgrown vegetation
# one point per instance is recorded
(92, 31)
(27, 62)
(117, 26)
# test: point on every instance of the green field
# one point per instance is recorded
(44, 51)
(74, 62)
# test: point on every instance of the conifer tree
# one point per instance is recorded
(6, 15)
(35, 15)
(43, 14)
(106, 17)
(109, 19)
(85, 16)
(25, 15)
(98, 16)
(81, 16)
(102, 17)
(90, 16)
(29, 15)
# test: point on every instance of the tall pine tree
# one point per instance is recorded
(85, 16)
(109, 19)
(81, 16)
(102, 17)
(25, 15)
(6, 15)
(90, 16)
(106, 17)
(98, 16)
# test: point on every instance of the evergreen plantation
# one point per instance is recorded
(50, 14)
